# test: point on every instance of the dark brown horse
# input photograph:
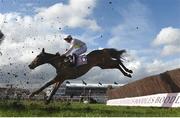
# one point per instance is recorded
(105, 59)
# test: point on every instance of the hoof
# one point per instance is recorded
(128, 75)
(46, 102)
(30, 96)
(130, 71)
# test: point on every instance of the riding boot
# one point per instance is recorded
(71, 59)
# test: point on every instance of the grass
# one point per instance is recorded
(57, 109)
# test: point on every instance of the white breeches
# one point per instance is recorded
(80, 50)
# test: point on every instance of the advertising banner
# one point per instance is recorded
(155, 100)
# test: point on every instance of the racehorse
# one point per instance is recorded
(107, 58)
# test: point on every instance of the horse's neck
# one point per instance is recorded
(53, 63)
(53, 60)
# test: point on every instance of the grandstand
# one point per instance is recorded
(80, 92)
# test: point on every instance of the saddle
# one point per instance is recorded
(76, 60)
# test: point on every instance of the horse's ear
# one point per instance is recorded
(43, 50)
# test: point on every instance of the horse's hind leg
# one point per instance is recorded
(124, 67)
(114, 64)
(124, 73)
(42, 88)
(117, 55)
(54, 91)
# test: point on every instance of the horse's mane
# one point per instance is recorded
(112, 51)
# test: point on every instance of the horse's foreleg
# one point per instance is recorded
(42, 88)
(54, 91)
(124, 67)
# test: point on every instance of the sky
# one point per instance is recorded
(148, 29)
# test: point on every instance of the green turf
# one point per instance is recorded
(37, 108)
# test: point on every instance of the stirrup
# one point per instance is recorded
(74, 59)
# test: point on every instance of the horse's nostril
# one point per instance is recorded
(29, 66)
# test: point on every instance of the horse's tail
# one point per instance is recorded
(117, 54)
(121, 52)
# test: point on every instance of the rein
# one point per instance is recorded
(53, 58)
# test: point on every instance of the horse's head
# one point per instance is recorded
(42, 58)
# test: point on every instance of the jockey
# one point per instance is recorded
(79, 46)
